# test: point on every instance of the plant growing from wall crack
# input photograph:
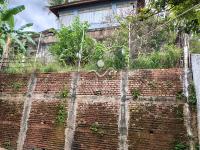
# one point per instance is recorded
(135, 93)
(64, 93)
(16, 86)
(192, 95)
(7, 145)
(180, 95)
(97, 129)
(180, 146)
(152, 84)
(61, 113)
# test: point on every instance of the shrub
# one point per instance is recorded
(69, 44)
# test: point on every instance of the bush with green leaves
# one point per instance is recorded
(69, 44)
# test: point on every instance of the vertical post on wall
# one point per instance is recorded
(187, 113)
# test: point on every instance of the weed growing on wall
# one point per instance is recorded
(135, 93)
(97, 129)
(179, 113)
(192, 95)
(152, 84)
(180, 95)
(61, 113)
(7, 145)
(16, 86)
(64, 93)
(180, 146)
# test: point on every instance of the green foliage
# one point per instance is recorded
(179, 112)
(64, 93)
(7, 14)
(69, 44)
(197, 147)
(180, 95)
(97, 129)
(180, 146)
(52, 67)
(99, 52)
(61, 113)
(166, 58)
(16, 86)
(152, 84)
(195, 44)
(189, 22)
(135, 93)
(56, 2)
(192, 94)
(7, 145)
(19, 38)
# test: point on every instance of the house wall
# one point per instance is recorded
(155, 119)
(100, 15)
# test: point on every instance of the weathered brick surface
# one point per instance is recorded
(13, 84)
(52, 82)
(43, 129)
(157, 82)
(91, 84)
(155, 126)
(10, 116)
(90, 111)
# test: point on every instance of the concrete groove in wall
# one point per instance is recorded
(26, 112)
(71, 119)
(187, 121)
(124, 115)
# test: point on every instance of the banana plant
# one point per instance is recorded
(8, 35)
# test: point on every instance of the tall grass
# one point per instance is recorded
(168, 57)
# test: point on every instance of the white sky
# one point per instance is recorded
(36, 12)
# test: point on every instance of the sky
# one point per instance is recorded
(36, 12)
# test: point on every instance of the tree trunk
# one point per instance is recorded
(5, 56)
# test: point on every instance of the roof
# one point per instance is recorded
(57, 8)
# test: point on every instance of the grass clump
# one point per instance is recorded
(166, 58)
